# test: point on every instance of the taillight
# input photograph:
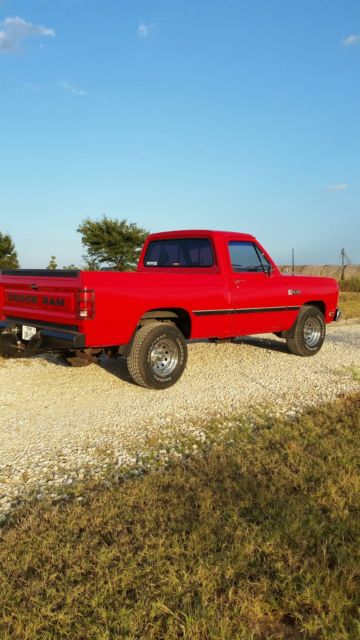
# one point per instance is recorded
(86, 304)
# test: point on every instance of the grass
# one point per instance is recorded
(355, 373)
(350, 298)
(349, 303)
(352, 284)
(258, 538)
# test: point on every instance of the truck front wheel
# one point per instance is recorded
(306, 336)
(158, 355)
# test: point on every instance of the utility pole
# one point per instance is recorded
(292, 261)
(344, 258)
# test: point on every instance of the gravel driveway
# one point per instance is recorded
(56, 422)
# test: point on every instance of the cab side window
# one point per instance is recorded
(245, 257)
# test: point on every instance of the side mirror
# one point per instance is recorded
(268, 269)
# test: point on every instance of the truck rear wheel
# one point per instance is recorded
(158, 355)
(8, 346)
(306, 336)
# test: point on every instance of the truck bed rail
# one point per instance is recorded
(42, 273)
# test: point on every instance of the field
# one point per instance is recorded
(348, 275)
(257, 538)
(352, 284)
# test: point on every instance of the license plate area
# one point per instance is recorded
(27, 332)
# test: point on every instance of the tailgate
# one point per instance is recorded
(40, 295)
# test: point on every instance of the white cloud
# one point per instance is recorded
(351, 40)
(13, 31)
(72, 89)
(143, 30)
(334, 188)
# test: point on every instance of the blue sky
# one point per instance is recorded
(224, 114)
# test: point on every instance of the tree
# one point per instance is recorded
(52, 263)
(71, 267)
(112, 243)
(91, 264)
(8, 254)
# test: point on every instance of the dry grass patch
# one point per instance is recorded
(349, 304)
(352, 284)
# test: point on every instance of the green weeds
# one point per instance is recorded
(355, 373)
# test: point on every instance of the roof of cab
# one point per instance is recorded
(200, 232)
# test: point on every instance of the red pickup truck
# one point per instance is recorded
(188, 284)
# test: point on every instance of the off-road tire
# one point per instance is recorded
(158, 355)
(306, 336)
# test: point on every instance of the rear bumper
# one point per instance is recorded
(51, 337)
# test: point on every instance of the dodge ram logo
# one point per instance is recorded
(31, 299)
(18, 297)
(53, 302)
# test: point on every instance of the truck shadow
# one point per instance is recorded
(267, 343)
(116, 367)
(261, 342)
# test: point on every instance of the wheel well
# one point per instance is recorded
(179, 317)
(319, 304)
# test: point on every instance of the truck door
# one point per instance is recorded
(260, 296)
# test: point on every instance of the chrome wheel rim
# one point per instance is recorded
(312, 332)
(164, 358)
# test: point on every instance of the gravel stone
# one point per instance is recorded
(58, 424)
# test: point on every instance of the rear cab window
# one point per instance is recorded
(179, 252)
(247, 257)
